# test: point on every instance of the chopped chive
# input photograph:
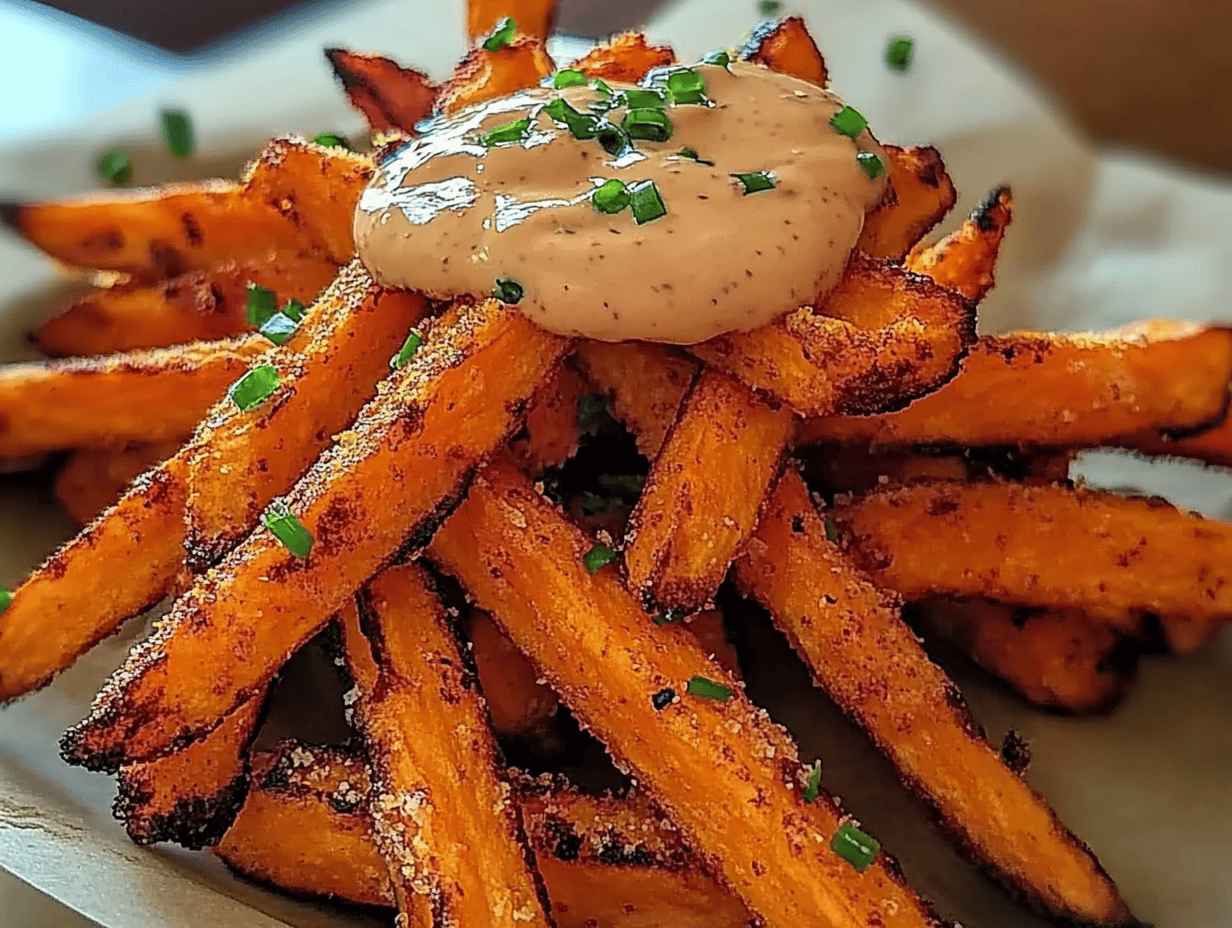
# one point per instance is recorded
(812, 787)
(262, 303)
(611, 197)
(627, 484)
(6, 597)
(288, 529)
(501, 36)
(295, 309)
(831, 531)
(720, 57)
(591, 409)
(849, 122)
(769, 7)
(668, 617)
(593, 504)
(613, 139)
(254, 388)
(855, 847)
(756, 181)
(409, 347)
(647, 202)
(692, 155)
(662, 699)
(580, 125)
(569, 77)
(331, 140)
(278, 328)
(508, 291)
(708, 689)
(510, 132)
(899, 51)
(603, 87)
(598, 557)
(644, 99)
(686, 86)
(115, 166)
(647, 124)
(873, 166)
(178, 131)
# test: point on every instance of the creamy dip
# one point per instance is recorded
(448, 214)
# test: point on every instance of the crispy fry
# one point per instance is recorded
(966, 260)
(1055, 658)
(918, 196)
(843, 468)
(90, 481)
(551, 432)
(704, 493)
(386, 94)
(625, 57)
(534, 18)
(517, 701)
(1213, 446)
(884, 337)
(520, 559)
(484, 75)
(786, 46)
(1046, 546)
(1062, 390)
(191, 797)
(437, 419)
(199, 306)
(426, 732)
(711, 633)
(871, 664)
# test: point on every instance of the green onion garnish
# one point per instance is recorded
(898, 52)
(662, 699)
(6, 597)
(720, 57)
(295, 309)
(769, 7)
(288, 529)
(692, 155)
(855, 847)
(115, 166)
(178, 131)
(848, 122)
(278, 328)
(501, 36)
(686, 86)
(569, 77)
(254, 388)
(647, 124)
(593, 504)
(831, 531)
(708, 689)
(580, 125)
(591, 408)
(873, 166)
(598, 557)
(647, 202)
(508, 291)
(262, 304)
(668, 617)
(611, 197)
(644, 99)
(331, 140)
(812, 788)
(756, 182)
(507, 134)
(603, 87)
(409, 347)
(613, 139)
(627, 484)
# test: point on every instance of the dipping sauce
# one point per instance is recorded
(749, 200)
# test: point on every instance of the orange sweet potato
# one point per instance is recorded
(625, 57)
(919, 194)
(517, 702)
(386, 94)
(90, 481)
(483, 75)
(551, 434)
(966, 260)
(534, 18)
(786, 46)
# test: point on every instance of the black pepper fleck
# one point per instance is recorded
(662, 699)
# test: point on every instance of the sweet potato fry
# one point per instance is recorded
(437, 419)
(90, 481)
(871, 664)
(483, 75)
(426, 732)
(191, 797)
(884, 337)
(919, 194)
(386, 94)
(1054, 658)
(517, 702)
(786, 46)
(966, 260)
(534, 18)
(1046, 546)
(551, 431)
(842, 468)
(143, 396)
(704, 492)
(199, 306)
(1212, 446)
(1062, 390)
(520, 559)
(625, 57)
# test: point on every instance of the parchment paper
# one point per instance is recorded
(1096, 242)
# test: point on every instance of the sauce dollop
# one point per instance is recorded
(449, 215)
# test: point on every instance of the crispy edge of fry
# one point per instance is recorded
(836, 619)
(919, 194)
(386, 94)
(966, 260)
(625, 57)
(436, 420)
(704, 493)
(787, 47)
(534, 18)
(483, 75)
(519, 558)
(92, 480)
(199, 306)
(517, 702)
(550, 435)
(1211, 446)
(435, 786)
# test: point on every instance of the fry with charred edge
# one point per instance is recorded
(883, 337)
(918, 196)
(550, 435)
(520, 559)
(1214, 445)
(534, 18)
(1055, 658)
(517, 702)
(198, 306)
(191, 797)
(871, 664)
(144, 396)
(73, 601)
(483, 75)
(386, 94)
(1082, 390)
(90, 481)
(625, 57)
(787, 47)
(1042, 545)
(443, 818)
(842, 468)
(704, 492)
(646, 384)
(239, 461)
(437, 419)
(966, 260)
